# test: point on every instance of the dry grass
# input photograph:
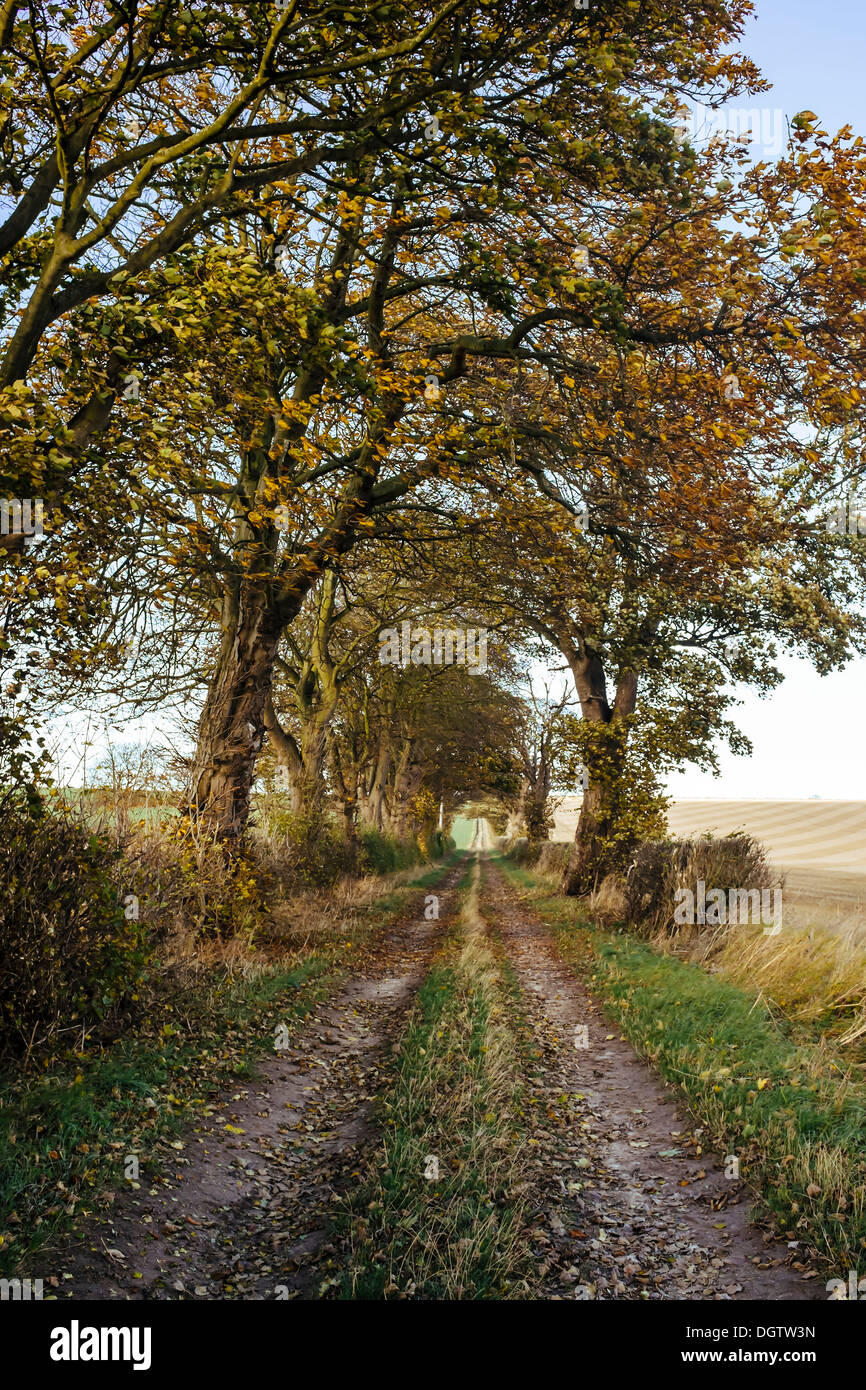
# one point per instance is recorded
(306, 916)
(312, 921)
(816, 979)
(608, 903)
(242, 916)
(812, 976)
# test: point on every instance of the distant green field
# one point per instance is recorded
(462, 831)
(97, 808)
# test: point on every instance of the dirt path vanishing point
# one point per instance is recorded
(632, 1205)
(481, 836)
(246, 1217)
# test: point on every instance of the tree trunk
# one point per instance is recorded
(289, 765)
(232, 724)
(587, 859)
(536, 820)
(592, 828)
(347, 792)
(313, 750)
(407, 780)
(373, 806)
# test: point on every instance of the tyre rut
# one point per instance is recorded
(248, 1216)
(631, 1204)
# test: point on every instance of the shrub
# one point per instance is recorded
(546, 856)
(307, 848)
(537, 817)
(190, 885)
(70, 957)
(525, 852)
(553, 856)
(384, 854)
(310, 849)
(660, 868)
(441, 843)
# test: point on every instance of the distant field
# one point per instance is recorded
(820, 846)
(798, 834)
(462, 831)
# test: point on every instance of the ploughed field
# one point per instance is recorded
(819, 847)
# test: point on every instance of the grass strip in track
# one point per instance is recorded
(442, 1213)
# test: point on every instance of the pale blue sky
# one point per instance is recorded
(807, 734)
(813, 52)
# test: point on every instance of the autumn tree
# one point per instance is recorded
(408, 249)
(128, 132)
(544, 753)
(447, 735)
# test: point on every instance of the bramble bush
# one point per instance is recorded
(659, 868)
(71, 959)
(307, 848)
(191, 888)
(311, 850)
(379, 853)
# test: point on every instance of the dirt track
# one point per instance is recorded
(246, 1214)
(632, 1197)
(625, 1202)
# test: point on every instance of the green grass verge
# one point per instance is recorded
(65, 1133)
(453, 1097)
(789, 1111)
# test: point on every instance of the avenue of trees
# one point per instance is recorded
(319, 320)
